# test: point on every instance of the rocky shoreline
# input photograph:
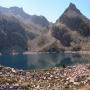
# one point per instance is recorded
(75, 77)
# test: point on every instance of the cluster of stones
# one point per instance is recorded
(69, 78)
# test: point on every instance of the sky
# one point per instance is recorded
(51, 9)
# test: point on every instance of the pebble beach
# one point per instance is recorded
(75, 77)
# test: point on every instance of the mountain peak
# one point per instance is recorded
(71, 11)
(72, 6)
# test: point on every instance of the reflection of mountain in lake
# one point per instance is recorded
(43, 60)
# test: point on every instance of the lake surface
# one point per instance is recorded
(44, 60)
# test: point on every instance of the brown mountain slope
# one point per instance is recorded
(71, 32)
(72, 29)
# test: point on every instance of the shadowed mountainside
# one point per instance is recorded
(20, 31)
(13, 36)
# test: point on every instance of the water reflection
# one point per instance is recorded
(43, 60)
(17, 61)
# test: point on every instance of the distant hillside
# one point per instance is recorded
(19, 13)
(21, 32)
(33, 24)
(30, 25)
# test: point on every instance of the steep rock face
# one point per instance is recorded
(62, 34)
(75, 20)
(72, 29)
(13, 37)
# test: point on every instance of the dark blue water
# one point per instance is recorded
(43, 60)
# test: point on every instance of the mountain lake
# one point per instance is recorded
(43, 60)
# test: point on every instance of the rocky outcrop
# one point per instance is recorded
(75, 20)
(72, 29)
